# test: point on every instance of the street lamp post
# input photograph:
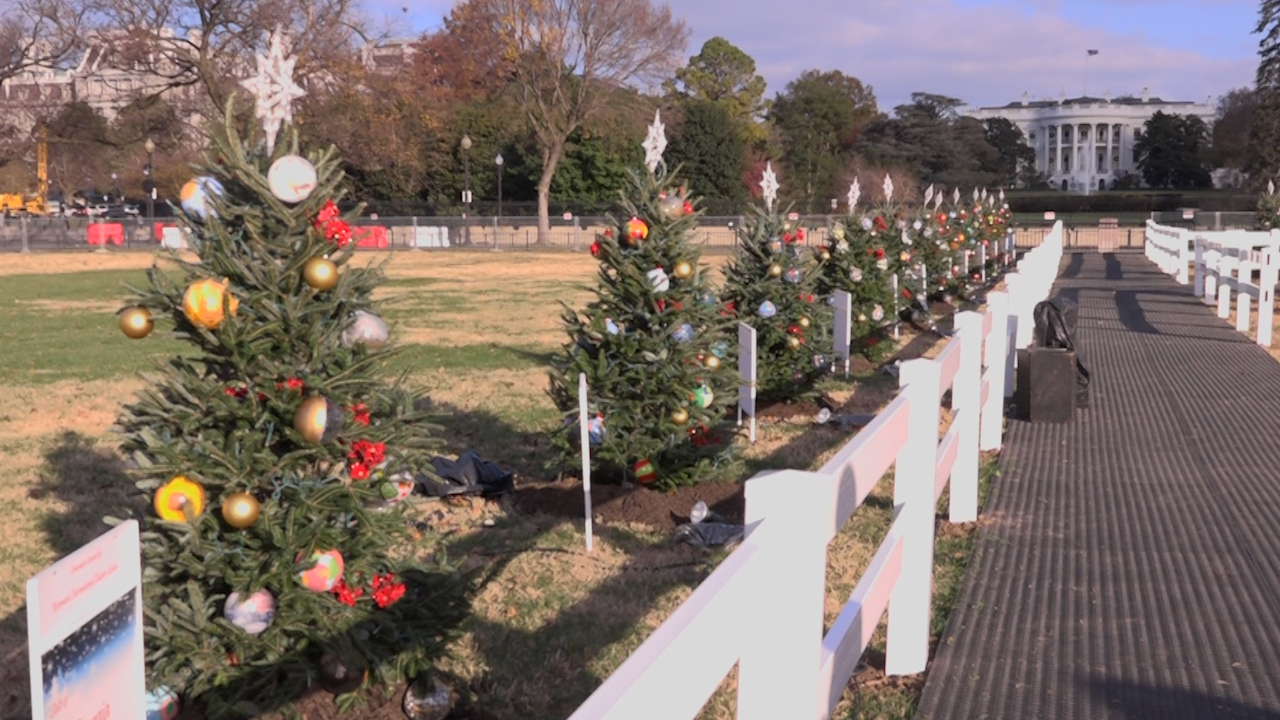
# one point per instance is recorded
(466, 192)
(148, 184)
(115, 187)
(498, 161)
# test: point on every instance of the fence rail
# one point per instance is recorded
(762, 608)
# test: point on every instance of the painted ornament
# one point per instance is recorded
(318, 420)
(320, 273)
(842, 247)
(672, 207)
(326, 570)
(768, 309)
(136, 322)
(720, 350)
(703, 397)
(180, 500)
(877, 313)
(396, 490)
(203, 303)
(611, 327)
(635, 231)
(162, 704)
(775, 246)
(837, 232)
(658, 278)
(824, 255)
(240, 510)
(252, 614)
(365, 329)
(645, 471)
(882, 264)
(292, 178)
(792, 275)
(595, 430)
(428, 699)
(683, 270)
(855, 274)
(819, 362)
(194, 196)
(684, 333)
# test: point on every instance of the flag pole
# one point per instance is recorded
(1087, 55)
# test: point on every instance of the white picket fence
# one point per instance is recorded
(762, 608)
(1242, 261)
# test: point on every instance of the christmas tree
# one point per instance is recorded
(931, 248)
(1267, 214)
(277, 558)
(653, 344)
(773, 285)
(858, 258)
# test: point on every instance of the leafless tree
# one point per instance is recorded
(39, 33)
(209, 44)
(569, 55)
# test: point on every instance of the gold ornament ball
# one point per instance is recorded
(824, 255)
(804, 322)
(775, 270)
(683, 270)
(712, 362)
(680, 417)
(136, 322)
(203, 303)
(240, 510)
(793, 342)
(318, 420)
(320, 273)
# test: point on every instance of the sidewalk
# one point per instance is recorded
(1128, 564)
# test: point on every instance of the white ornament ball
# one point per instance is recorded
(195, 196)
(658, 278)
(252, 614)
(364, 329)
(292, 178)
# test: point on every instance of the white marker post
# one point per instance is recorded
(585, 433)
(982, 261)
(747, 365)
(843, 329)
(893, 282)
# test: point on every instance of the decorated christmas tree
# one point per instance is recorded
(653, 344)
(860, 253)
(1267, 213)
(273, 456)
(773, 285)
(931, 248)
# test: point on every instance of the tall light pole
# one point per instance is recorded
(148, 184)
(466, 192)
(498, 161)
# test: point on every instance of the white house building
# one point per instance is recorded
(1085, 144)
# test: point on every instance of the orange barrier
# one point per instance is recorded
(370, 236)
(103, 233)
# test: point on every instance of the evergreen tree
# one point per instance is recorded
(773, 284)
(654, 346)
(1267, 214)
(860, 250)
(270, 450)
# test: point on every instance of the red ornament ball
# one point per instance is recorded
(636, 230)
(645, 471)
(688, 208)
(595, 249)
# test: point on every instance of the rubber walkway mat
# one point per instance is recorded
(1128, 564)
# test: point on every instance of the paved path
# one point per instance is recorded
(1129, 563)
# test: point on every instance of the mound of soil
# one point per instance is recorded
(319, 705)
(630, 504)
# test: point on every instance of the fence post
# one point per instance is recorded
(1225, 266)
(1199, 260)
(1210, 274)
(1242, 298)
(1267, 296)
(966, 394)
(22, 221)
(1182, 259)
(794, 516)
(907, 644)
(995, 358)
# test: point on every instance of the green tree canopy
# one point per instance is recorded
(1231, 146)
(1171, 152)
(723, 73)
(711, 150)
(930, 139)
(1015, 160)
(819, 118)
(1264, 132)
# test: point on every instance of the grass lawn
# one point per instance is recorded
(550, 621)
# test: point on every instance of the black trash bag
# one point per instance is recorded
(468, 475)
(1055, 321)
(710, 534)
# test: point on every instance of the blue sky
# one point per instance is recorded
(985, 52)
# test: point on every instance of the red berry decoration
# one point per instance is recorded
(595, 249)
(688, 208)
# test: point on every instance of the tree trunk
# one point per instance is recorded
(550, 160)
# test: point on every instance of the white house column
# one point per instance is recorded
(1057, 168)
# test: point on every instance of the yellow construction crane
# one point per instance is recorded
(42, 174)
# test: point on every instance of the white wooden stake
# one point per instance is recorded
(1267, 296)
(747, 370)
(994, 359)
(894, 284)
(585, 439)
(843, 329)
(982, 260)
(965, 395)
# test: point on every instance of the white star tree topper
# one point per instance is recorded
(655, 143)
(955, 197)
(273, 87)
(855, 192)
(888, 188)
(769, 184)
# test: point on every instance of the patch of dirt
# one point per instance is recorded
(57, 263)
(788, 410)
(319, 705)
(619, 504)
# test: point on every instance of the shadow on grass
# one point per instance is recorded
(525, 453)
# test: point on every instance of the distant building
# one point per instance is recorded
(1085, 144)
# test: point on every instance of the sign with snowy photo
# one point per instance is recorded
(84, 632)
